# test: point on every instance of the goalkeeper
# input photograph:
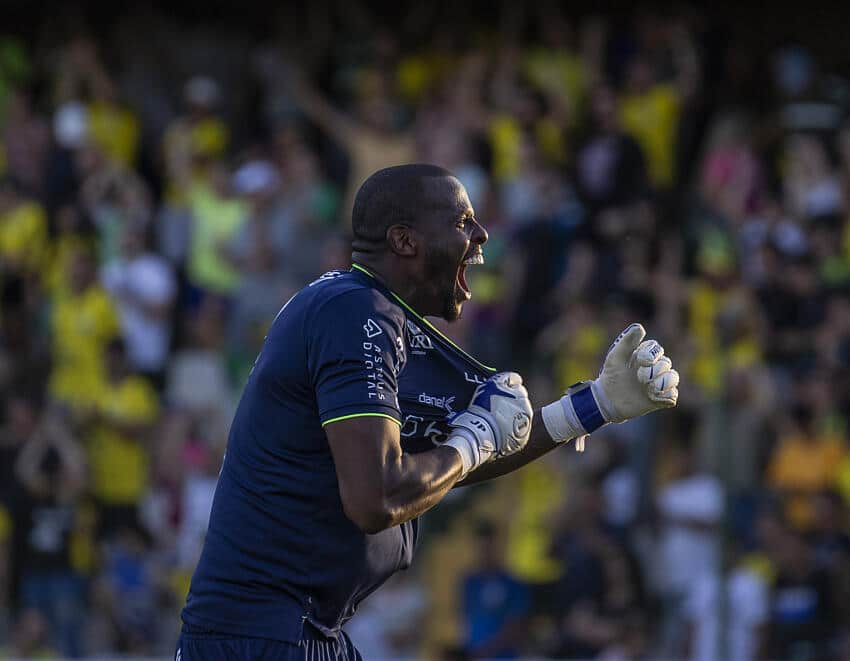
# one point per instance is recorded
(359, 416)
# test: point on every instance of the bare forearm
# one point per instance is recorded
(320, 111)
(29, 460)
(538, 444)
(66, 445)
(417, 482)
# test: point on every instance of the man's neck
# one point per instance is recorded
(392, 278)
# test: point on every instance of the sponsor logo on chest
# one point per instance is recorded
(436, 401)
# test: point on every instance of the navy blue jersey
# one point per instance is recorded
(279, 549)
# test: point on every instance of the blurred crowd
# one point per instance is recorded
(165, 187)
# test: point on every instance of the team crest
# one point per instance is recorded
(418, 342)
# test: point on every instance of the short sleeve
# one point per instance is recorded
(356, 351)
(154, 283)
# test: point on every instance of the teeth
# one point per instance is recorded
(477, 258)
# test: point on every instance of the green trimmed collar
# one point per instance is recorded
(423, 320)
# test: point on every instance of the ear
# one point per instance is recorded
(403, 240)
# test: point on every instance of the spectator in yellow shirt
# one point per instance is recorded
(119, 422)
(113, 127)
(83, 321)
(722, 321)
(194, 138)
(563, 63)
(81, 77)
(805, 463)
(649, 111)
(217, 216)
(23, 231)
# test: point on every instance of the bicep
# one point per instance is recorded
(363, 446)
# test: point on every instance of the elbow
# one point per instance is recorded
(370, 518)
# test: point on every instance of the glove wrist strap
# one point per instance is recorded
(575, 414)
(587, 408)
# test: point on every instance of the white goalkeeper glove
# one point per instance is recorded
(636, 378)
(496, 423)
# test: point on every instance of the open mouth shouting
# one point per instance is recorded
(474, 256)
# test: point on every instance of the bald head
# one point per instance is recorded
(393, 196)
(415, 227)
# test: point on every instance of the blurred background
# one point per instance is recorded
(169, 176)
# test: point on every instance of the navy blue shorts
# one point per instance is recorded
(200, 645)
